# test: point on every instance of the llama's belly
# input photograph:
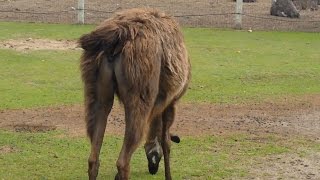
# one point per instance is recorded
(174, 78)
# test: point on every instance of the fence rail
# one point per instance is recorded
(194, 13)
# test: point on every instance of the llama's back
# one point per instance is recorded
(154, 37)
(149, 46)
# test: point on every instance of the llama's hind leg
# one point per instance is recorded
(167, 120)
(98, 109)
(136, 118)
(97, 129)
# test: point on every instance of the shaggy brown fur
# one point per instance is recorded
(138, 54)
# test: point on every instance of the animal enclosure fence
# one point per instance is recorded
(192, 13)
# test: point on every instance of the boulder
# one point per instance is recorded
(306, 4)
(247, 1)
(284, 8)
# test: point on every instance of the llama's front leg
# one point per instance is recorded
(152, 146)
(167, 120)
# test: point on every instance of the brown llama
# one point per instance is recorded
(140, 56)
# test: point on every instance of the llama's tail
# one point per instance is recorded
(107, 42)
(109, 39)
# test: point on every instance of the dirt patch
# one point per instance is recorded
(286, 118)
(7, 149)
(287, 166)
(38, 44)
(33, 128)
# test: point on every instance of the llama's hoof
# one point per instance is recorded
(93, 169)
(175, 138)
(153, 162)
(92, 177)
(117, 177)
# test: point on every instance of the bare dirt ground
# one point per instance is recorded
(38, 44)
(288, 118)
(287, 166)
(195, 13)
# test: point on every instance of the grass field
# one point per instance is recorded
(50, 156)
(227, 67)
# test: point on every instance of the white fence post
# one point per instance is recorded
(239, 14)
(80, 11)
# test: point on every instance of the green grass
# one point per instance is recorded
(53, 156)
(232, 66)
(13, 30)
(39, 78)
(227, 66)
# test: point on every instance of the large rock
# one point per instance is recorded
(306, 4)
(249, 1)
(284, 8)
